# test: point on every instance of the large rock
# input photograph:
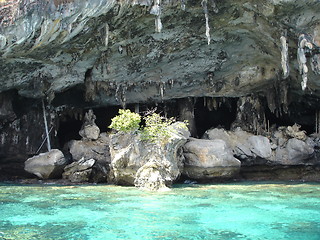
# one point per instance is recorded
(95, 150)
(244, 145)
(149, 166)
(260, 146)
(296, 152)
(89, 129)
(79, 171)
(46, 165)
(98, 150)
(207, 159)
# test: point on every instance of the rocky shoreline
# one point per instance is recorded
(242, 73)
(286, 153)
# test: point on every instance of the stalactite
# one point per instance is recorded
(106, 41)
(305, 45)
(204, 4)
(215, 104)
(156, 10)
(284, 57)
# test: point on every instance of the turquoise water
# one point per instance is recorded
(222, 211)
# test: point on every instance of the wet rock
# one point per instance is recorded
(207, 159)
(46, 165)
(149, 166)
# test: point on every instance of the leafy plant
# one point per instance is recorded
(156, 128)
(126, 121)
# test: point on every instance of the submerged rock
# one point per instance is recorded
(207, 159)
(149, 166)
(46, 165)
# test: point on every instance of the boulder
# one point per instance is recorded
(46, 165)
(296, 152)
(147, 165)
(260, 146)
(89, 130)
(244, 145)
(79, 171)
(207, 159)
(98, 150)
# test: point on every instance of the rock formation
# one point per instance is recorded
(209, 159)
(105, 54)
(147, 165)
(46, 165)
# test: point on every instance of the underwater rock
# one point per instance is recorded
(46, 165)
(147, 165)
(207, 159)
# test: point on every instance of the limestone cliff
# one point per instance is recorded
(99, 53)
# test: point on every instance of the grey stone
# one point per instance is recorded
(149, 166)
(296, 152)
(98, 150)
(260, 146)
(207, 159)
(79, 171)
(46, 165)
(90, 132)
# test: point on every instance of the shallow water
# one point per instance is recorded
(251, 210)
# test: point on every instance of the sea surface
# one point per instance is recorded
(245, 210)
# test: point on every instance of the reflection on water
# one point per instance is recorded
(251, 210)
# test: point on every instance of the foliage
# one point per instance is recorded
(156, 128)
(126, 121)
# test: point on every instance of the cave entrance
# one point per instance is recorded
(214, 112)
(69, 128)
(297, 114)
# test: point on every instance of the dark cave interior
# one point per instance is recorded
(206, 117)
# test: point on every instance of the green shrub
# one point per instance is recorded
(156, 128)
(126, 121)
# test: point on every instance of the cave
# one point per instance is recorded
(68, 130)
(214, 112)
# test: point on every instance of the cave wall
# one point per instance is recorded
(103, 54)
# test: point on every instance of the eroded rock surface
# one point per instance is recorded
(46, 165)
(209, 159)
(149, 166)
(111, 48)
(80, 171)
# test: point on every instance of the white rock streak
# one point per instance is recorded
(284, 57)
(206, 15)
